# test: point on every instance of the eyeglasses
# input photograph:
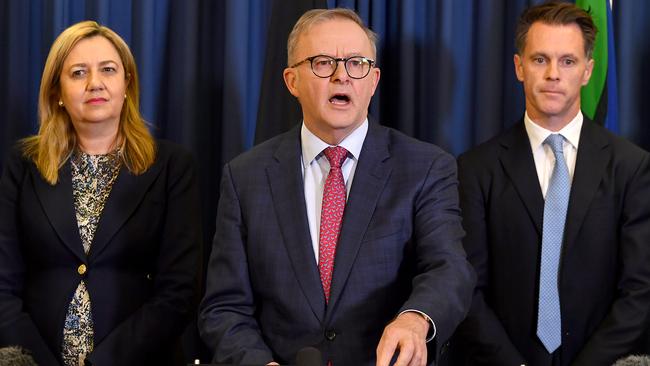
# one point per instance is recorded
(357, 67)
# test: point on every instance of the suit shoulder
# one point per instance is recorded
(483, 152)
(173, 156)
(259, 154)
(622, 146)
(15, 158)
(15, 167)
(623, 152)
(402, 144)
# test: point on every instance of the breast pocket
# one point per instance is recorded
(382, 231)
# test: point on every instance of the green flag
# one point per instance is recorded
(591, 93)
(599, 98)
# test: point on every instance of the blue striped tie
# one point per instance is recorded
(549, 320)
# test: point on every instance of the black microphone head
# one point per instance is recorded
(642, 360)
(15, 356)
(309, 356)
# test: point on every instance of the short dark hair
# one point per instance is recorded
(556, 13)
(315, 16)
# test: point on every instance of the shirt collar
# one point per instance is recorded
(537, 134)
(312, 146)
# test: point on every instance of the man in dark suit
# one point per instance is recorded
(339, 234)
(557, 215)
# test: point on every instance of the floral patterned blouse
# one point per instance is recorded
(92, 179)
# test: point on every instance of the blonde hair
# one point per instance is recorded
(56, 138)
(316, 16)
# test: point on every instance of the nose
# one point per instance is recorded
(95, 81)
(552, 71)
(340, 74)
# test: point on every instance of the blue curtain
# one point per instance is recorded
(212, 82)
(211, 70)
(631, 27)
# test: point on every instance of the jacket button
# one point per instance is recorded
(330, 335)
(82, 269)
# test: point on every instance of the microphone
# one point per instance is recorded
(641, 360)
(15, 356)
(309, 356)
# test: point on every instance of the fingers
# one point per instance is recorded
(386, 348)
(406, 353)
(412, 352)
(399, 336)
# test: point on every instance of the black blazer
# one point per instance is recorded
(400, 248)
(604, 281)
(141, 270)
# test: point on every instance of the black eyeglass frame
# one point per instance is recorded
(336, 60)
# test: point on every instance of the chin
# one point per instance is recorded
(554, 111)
(341, 121)
(345, 124)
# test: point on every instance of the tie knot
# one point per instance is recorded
(336, 155)
(555, 142)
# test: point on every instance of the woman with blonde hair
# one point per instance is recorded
(99, 226)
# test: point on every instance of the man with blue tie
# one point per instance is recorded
(557, 215)
(340, 234)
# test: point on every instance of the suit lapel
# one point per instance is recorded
(58, 204)
(125, 196)
(370, 176)
(590, 162)
(519, 165)
(286, 182)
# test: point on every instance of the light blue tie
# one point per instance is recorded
(549, 320)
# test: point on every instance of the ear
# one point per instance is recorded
(588, 70)
(57, 95)
(375, 74)
(519, 67)
(290, 76)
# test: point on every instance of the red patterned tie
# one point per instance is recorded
(331, 216)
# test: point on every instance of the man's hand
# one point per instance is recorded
(407, 333)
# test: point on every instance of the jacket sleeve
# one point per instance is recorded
(619, 333)
(16, 326)
(481, 333)
(162, 319)
(226, 320)
(442, 287)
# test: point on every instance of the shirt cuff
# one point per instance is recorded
(432, 330)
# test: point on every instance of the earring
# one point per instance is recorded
(124, 96)
(60, 103)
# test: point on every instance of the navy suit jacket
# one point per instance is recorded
(604, 280)
(399, 248)
(141, 270)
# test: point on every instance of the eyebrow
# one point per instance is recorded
(542, 54)
(102, 63)
(350, 54)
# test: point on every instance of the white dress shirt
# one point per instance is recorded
(315, 168)
(543, 154)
